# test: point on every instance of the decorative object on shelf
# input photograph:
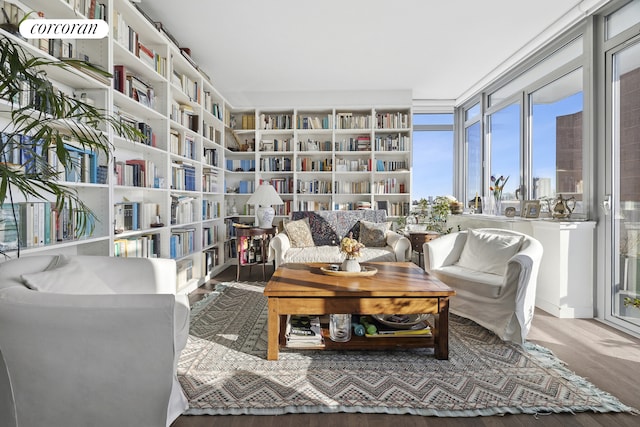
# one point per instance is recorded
(43, 120)
(351, 248)
(264, 197)
(401, 321)
(510, 212)
(531, 209)
(340, 327)
(561, 208)
(497, 185)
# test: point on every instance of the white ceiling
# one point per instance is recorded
(436, 50)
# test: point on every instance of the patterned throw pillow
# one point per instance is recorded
(373, 234)
(299, 233)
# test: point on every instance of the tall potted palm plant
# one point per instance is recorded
(31, 105)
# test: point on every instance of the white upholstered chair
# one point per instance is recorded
(494, 273)
(90, 341)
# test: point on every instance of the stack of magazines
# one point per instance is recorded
(304, 331)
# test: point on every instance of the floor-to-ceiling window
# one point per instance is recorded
(432, 165)
(622, 224)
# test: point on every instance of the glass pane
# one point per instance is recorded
(504, 138)
(556, 139)
(433, 119)
(432, 164)
(551, 63)
(622, 19)
(626, 117)
(474, 162)
(472, 112)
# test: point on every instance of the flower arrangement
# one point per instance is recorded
(497, 185)
(350, 247)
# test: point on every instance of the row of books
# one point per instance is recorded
(128, 37)
(31, 224)
(391, 165)
(149, 136)
(137, 173)
(210, 183)
(275, 164)
(353, 121)
(209, 236)
(184, 272)
(309, 164)
(241, 165)
(189, 87)
(211, 106)
(275, 145)
(145, 246)
(313, 145)
(181, 242)
(184, 146)
(353, 165)
(132, 216)
(25, 152)
(133, 86)
(210, 156)
(313, 205)
(315, 122)
(246, 187)
(183, 209)
(394, 208)
(354, 187)
(185, 115)
(211, 209)
(397, 142)
(276, 121)
(314, 186)
(282, 185)
(389, 185)
(395, 120)
(358, 143)
(183, 176)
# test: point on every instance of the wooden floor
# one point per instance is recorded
(608, 358)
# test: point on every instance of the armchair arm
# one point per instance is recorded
(278, 247)
(401, 245)
(92, 359)
(445, 250)
(522, 272)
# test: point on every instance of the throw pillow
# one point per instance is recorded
(488, 252)
(299, 233)
(66, 276)
(373, 234)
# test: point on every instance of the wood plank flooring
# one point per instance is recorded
(605, 356)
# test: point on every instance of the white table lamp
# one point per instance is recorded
(264, 197)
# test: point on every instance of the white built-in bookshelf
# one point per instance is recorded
(169, 194)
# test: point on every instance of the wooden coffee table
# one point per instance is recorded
(397, 288)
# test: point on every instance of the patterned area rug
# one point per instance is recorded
(223, 370)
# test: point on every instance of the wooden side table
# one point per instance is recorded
(419, 238)
(249, 234)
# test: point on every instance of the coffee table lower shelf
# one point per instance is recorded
(361, 343)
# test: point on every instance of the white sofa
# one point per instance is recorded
(494, 274)
(327, 228)
(94, 341)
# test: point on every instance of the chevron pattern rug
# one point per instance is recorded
(223, 370)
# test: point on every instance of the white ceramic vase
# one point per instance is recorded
(351, 265)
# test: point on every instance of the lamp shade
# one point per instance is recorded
(264, 197)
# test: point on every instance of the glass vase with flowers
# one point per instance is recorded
(496, 188)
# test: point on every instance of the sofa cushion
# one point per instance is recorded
(478, 282)
(373, 234)
(329, 227)
(66, 276)
(299, 233)
(488, 252)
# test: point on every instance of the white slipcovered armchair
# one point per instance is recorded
(494, 273)
(90, 341)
